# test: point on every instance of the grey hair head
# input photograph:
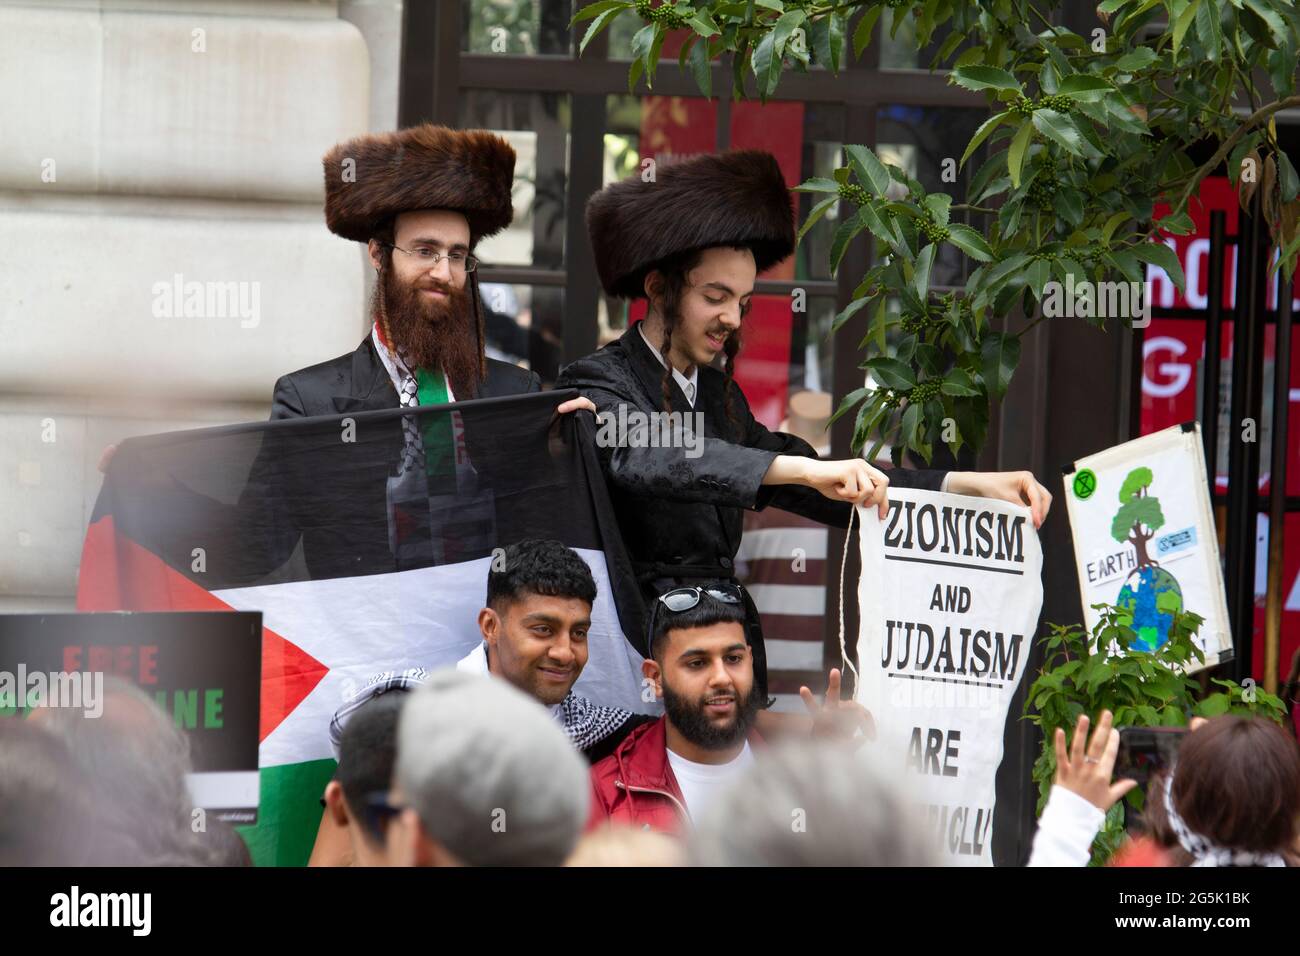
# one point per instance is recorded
(135, 760)
(491, 775)
(812, 805)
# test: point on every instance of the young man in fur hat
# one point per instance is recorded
(692, 242)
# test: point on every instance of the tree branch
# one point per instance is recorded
(1255, 118)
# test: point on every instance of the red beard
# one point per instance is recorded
(432, 333)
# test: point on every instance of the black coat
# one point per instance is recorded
(677, 510)
(341, 517)
(358, 382)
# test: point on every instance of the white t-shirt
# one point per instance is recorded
(702, 782)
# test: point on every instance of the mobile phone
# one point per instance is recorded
(1146, 750)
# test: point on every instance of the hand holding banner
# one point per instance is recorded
(950, 592)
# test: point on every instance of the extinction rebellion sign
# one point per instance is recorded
(949, 596)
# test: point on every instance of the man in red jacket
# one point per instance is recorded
(667, 772)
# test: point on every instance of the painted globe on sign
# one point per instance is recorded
(1152, 596)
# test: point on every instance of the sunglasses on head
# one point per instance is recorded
(685, 598)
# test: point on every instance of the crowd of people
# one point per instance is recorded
(499, 762)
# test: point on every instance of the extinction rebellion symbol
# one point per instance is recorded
(1085, 483)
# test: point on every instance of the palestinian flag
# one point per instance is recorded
(365, 541)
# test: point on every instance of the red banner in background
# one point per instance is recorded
(1173, 355)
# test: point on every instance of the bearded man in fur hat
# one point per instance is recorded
(421, 199)
(692, 242)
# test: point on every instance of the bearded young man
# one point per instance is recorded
(666, 773)
(692, 242)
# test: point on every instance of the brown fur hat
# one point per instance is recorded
(737, 198)
(421, 167)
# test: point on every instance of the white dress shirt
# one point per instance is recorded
(688, 384)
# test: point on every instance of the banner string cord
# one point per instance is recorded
(844, 559)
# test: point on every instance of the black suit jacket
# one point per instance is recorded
(339, 517)
(358, 382)
(681, 512)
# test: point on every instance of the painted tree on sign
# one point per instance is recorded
(1139, 516)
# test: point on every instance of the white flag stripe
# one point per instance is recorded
(793, 655)
(427, 617)
(808, 599)
(781, 543)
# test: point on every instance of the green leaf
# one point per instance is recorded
(818, 184)
(985, 78)
(843, 236)
(1286, 177)
(981, 134)
(1084, 88)
(869, 169)
(1209, 29)
(776, 5)
(1005, 268)
(848, 312)
(999, 356)
(766, 63)
(912, 425)
(1112, 224)
(862, 32)
(1136, 60)
(892, 373)
(1157, 253)
(704, 24)
(970, 242)
(1213, 705)
(1276, 26)
(921, 278)
(598, 8)
(959, 383)
(702, 69)
(1068, 204)
(937, 204)
(1037, 275)
(1182, 23)
(642, 40)
(816, 213)
(633, 74)
(597, 25)
(1016, 153)
(1060, 129)
(851, 399)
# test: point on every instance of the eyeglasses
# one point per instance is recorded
(428, 258)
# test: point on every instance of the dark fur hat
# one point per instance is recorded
(422, 167)
(737, 198)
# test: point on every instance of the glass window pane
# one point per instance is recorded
(518, 27)
(524, 325)
(805, 138)
(537, 126)
(898, 52)
(926, 142)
